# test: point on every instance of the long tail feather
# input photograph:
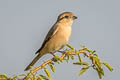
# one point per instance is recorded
(34, 61)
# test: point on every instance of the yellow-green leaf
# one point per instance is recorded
(31, 78)
(3, 76)
(49, 79)
(77, 52)
(14, 76)
(77, 63)
(39, 78)
(58, 62)
(52, 67)
(83, 70)
(108, 66)
(47, 72)
(67, 58)
(57, 58)
(72, 57)
(44, 77)
(97, 63)
(22, 75)
(90, 51)
(95, 54)
(93, 51)
(69, 51)
(68, 45)
(84, 63)
(81, 63)
(99, 73)
(80, 59)
(33, 75)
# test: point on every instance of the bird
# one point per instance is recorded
(57, 37)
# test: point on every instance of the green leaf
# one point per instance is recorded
(31, 78)
(88, 50)
(97, 62)
(77, 52)
(108, 66)
(50, 79)
(81, 63)
(57, 58)
(47, 72)
(58, 62)
(98, 65)
(22, 75)
(69, 51)
(102, 71)
(99, 73)
(3, 76)
(72, 57)
(95, 54)
(80, 59)
(14, 76)
(33, 75)
(67, 58)
(77, 63)
(68, 45)
(39, 78)
(61, 60)
(52, 67)
(93, 51)
(44, 77)
(84, 63)
(83, 70)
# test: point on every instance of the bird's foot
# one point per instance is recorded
(54, 57)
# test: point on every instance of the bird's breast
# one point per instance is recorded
(65, 32)
(59, 39)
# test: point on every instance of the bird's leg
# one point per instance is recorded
(53, 54)
(54, 59)
(61, 51)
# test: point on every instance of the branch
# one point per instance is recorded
(53, 59)
(90, 54)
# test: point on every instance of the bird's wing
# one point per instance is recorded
(50, 34)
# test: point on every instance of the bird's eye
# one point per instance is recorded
(66, 16)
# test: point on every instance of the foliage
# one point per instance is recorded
(70, 53)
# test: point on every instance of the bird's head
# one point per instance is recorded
(66, 17)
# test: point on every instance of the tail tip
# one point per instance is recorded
(26, 69)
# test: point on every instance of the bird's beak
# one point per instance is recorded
(74, 17)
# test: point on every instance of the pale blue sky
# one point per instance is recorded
(24, 24)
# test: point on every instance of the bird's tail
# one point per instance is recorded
(34, 61)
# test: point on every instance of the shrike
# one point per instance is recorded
(57, 36)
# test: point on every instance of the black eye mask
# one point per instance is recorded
(63, 17)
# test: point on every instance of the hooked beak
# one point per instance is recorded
(74, 17)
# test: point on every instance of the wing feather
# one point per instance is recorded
(50, 34)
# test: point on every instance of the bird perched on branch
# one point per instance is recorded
(57, 36)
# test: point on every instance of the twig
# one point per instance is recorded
(49, 61)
